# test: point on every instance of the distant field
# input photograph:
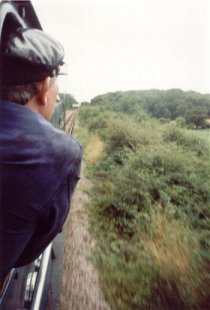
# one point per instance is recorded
(205, 133)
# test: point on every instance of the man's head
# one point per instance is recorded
(30, 61)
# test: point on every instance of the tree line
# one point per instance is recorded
(193, 108)
(68, 99)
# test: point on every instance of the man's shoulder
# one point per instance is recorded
(33, 134)
(63, 151)
(63, 144)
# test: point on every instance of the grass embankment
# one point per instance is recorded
(149, 211)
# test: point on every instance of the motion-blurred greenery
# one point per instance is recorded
(150, 206)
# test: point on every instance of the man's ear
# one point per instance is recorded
(44, 87)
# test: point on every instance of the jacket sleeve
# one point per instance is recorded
(52, 218)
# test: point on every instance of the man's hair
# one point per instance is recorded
(20, 94)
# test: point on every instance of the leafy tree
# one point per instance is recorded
(170, 103)
(197, 116)
(68, 99)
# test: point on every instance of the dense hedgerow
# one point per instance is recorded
(88, 114)
(150, 211)
(165, 175)
(124, 133)
(186, 139)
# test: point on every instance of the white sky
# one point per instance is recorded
(131, 44)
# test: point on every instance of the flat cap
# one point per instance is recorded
(29, 55)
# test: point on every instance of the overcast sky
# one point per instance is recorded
(131, 44)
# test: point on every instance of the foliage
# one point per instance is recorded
(87, 114)
(68, 99)
(124, 133)
(161, 270)
(197, 116)
(168, 104)
(186, 139)
(202, 133)
(164, 174)
(180, 122)
(150, 206)
(94, 149)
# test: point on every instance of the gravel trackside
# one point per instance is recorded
(80, 282)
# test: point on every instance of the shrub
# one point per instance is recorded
(165, 175)
(186, 139)
(169, 174)
(124, 133)
(127, 275)
(150, 212)
(181, 122)
(159, 270)
(87, 114)
(98, 124)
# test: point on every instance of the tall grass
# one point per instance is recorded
(94, 149)
(159, 270)
(203, 133)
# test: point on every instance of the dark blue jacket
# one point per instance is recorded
(39, 169)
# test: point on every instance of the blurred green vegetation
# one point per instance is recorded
(68, 99)
(150, 206)
(203, 133)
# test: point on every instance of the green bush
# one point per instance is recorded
(127, 275)
(144, 274)
(186, 139)
(165, 175)
(150, 212)
(98, 124)
(88, 113)
(124, 133)
(181, 122)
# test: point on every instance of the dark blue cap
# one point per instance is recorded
(29, 55)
